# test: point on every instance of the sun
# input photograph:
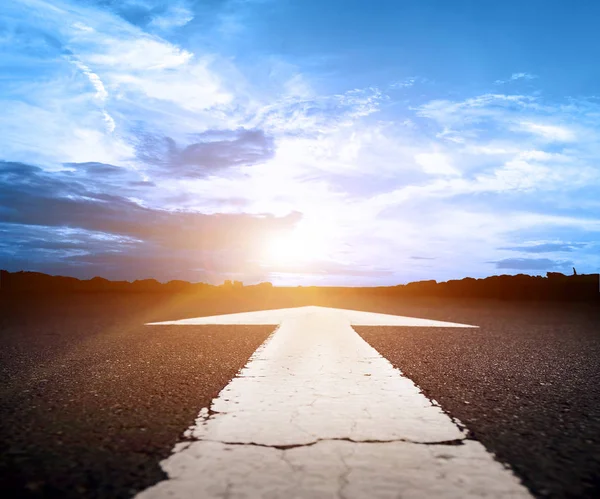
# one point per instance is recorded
(297, 248)
(286, 250)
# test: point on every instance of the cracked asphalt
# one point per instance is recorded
(91, 400)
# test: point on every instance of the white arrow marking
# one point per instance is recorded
(273, 317)
(318, 413)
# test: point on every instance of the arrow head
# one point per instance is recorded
(276, 317)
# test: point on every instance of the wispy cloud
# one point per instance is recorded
(522, 76)
(516, 77)
(95, 80)
(163, 15)
(552, 133)
(436, 163)
(546, 247)
(532, 264)
(101, 93)
(405, 83)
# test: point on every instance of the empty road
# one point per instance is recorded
(92, 400)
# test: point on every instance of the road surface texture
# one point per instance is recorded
(92, 400)
(526, 384)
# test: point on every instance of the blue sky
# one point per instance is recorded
(339, 142)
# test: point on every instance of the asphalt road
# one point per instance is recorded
(526, 384)
(91, 400)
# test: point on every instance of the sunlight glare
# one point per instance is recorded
(297, 248)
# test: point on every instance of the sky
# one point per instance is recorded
(338, 142)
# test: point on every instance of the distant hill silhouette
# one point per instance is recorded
(555, 286)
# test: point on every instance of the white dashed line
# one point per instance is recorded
(318, 413)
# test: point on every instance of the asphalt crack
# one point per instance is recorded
(454, 442)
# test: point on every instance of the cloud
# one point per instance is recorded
(474, 109)
(514, 176)
(95, 80)
(332, 274)
(40, 243)
(549, 132)
(315, 116)
(85, 254)
(531, 264)
(213, 151)
(522, 76)
(92, 167)
(546, 247)
(193, 87)
(516, 77)
(30, 197)
(483, 141)
(405, 83)
(436, 164)
(101, 93)
(33, 197)
(330, 268)
(160, 14)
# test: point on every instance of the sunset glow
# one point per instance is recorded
(294, 249)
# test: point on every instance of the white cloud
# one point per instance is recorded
(517, 76)
(549, 132)
(176, 15)
(136, 53)
(458, 114)
(82, 26)
(95, 80)
(452, 136)
(193, 87)
(313, 116)
(491, 149)
(407, 82)
(110, 122)
(101, 93)
(436, 164)
(537, 155)
(516, 175)
(522, 76)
